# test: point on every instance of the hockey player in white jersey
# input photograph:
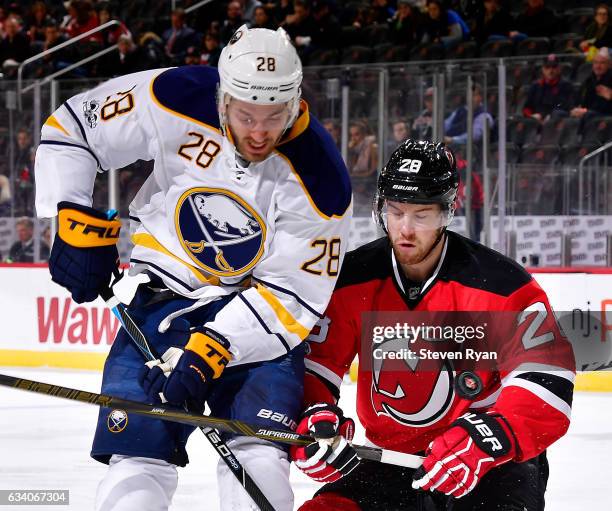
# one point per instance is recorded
(241, 229)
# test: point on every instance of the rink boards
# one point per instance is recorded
(42, 326)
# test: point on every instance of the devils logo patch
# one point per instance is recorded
(409, 390)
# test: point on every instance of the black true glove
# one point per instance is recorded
(84, 253)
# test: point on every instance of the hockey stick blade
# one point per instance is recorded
(191, 419)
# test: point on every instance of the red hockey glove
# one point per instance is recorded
(332, 456)
(460, 457)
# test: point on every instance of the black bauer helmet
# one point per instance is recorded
(418, 172)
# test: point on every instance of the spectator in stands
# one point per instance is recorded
(233, 21)
(443, 26)
(492, 22)
(179, 37)
(334, 130)
(599, 32)
(54, 61)
(5, 195)
(301, 27)
(477, 201)
(399, 133)
(24, 173)
(111, 35)
(421, 126)
(595, 95)
(262, 18)
(362, 163)
(536, 20)
(327, 26)
(280, 9)
(382, 11)
(550, 96)
(14, 47)
(22, 251)
(124, 61)
(37, 21)
(211, 51)
(3, 17)
(45, 244)
(192, 57)
(405, 25)
(455, 125)
(362, 157)
(248, 9)
(82, 18)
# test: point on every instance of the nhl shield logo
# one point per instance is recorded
(219, 231)
(117, 421)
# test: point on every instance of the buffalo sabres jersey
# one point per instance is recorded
(413, 383)
(203, 222)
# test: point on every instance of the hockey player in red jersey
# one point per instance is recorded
(483, 429)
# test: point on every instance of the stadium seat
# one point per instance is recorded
(513, 154)
(359, 103)
(492, 101)
(578, 18)
(566, 43)
(351, 36)
(427, 52)
(539, 154)
(522, 130)
(521, 73)
(497, 49)
(583, 72)
(323, 57)
(560, 131)
(464, 50)
(376, 34)
(533, 46)
(356, 55)
(572, 154)
(597, 130)
(392, 53)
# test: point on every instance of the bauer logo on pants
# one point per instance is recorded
(219, 231)
(117, 421)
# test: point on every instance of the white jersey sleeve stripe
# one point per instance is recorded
(263, 324)
(323, 372)
(544, 394)
(292, 294)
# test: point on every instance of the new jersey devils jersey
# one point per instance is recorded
(410, 385)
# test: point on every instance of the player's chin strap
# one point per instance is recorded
(126, 289)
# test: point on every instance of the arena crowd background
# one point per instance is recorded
(521, 90)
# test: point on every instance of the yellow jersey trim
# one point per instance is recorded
(312, 203)
(300, 125)
(284, 316)
(148, 241)
(54, 123)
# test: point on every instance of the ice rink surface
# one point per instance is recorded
(45, 442)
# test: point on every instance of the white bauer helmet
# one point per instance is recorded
(260, 66)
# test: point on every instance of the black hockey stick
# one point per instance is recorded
(197, 420)
(149, 353)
